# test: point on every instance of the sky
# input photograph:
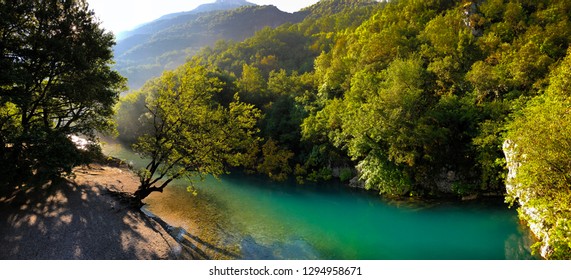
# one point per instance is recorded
(124, 15)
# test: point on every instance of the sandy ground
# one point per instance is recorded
(80, 219)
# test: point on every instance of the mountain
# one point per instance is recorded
(166, 43)
(169, 20)
(222, 5)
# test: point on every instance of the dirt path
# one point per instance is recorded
(80, 219)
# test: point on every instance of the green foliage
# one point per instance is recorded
(273, 71)
(131, 115)
(9, 123)
(286, 47)
(55, 82)
(326, 8)
(542, 134)
(252, 85)
(190, 133)
(323, 174)
(275, 161)
(424, 89)
(345, 174)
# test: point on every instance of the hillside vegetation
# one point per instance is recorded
(166, 43)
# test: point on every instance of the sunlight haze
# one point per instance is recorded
(125, 15)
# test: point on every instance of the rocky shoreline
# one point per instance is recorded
(532, 215)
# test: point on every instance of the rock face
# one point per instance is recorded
(357, 183)
(533, 216)
(445, 180)
(471, 18)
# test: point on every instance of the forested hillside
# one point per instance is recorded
(166, 43)
(413, 98)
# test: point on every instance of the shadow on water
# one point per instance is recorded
(193, 247)
(60, 220)
(289, 250)
(189, 238)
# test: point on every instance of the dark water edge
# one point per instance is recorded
(248, 217)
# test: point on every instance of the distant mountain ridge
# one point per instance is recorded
(166, 43)
(167, 20)
(219, 5)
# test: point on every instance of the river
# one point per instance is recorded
(248, 217)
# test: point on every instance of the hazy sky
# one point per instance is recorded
(123, 15)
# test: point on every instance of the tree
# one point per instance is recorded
(253, 86)
(384, 119)
(55, 80)
(191, 135)
(275, 161)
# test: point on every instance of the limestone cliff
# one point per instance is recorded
(522, 195)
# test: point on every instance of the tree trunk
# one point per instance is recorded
(145, 190)
(142, 192)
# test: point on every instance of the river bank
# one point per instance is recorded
(240, 217)
(78, 218)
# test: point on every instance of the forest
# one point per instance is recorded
(406, 98)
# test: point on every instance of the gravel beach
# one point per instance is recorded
(80, 219)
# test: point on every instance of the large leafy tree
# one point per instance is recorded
(55, 81)
(191, 134)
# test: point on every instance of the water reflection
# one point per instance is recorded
(517, 246)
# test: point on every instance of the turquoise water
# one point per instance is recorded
(330, 221)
